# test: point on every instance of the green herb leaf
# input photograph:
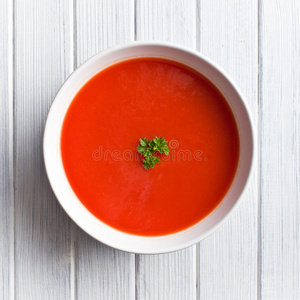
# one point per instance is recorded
(148, 147)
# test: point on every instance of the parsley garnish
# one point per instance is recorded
(148, 147)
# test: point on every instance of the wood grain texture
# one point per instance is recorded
(101, 24)
(172, 21)
(167, 276)
(42, 230)
(228, 34)
(6, 153)
(280, 149)
(102, 272)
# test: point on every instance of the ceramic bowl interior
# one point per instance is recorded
(63, 190)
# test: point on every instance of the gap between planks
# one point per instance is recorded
(258, 147)
(11, 28)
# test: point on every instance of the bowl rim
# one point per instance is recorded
(245, 105)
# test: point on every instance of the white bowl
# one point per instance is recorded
(78, 212)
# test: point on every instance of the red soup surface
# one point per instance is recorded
(145, 98)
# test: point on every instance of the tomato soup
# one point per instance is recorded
(146, 98)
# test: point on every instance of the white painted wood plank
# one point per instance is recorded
(102, 24)
(280, 148)
(6, 153)
(167, 276)
(172, 21)
(42, 229)
(102, 272)
(228, 34)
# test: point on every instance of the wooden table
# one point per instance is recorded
(255, 255)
